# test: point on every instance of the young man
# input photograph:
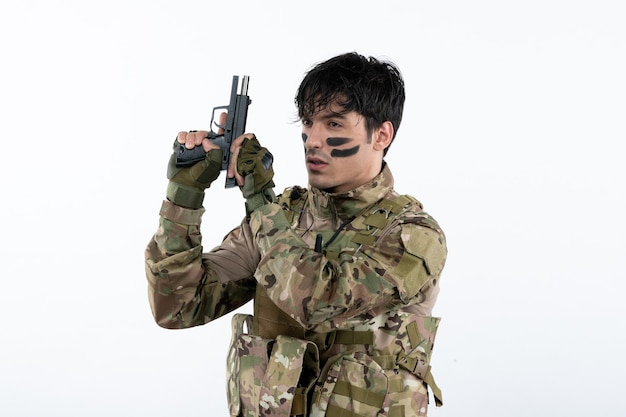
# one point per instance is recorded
(344, 274)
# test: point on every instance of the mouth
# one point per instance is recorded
(314, 163)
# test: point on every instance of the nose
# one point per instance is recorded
(312, 137)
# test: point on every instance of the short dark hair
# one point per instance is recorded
(368, 86)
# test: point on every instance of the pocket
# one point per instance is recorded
(253, 357)
(352, 385)
(246, 364)
(267, 376)
(284, 386)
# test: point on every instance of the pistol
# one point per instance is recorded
(235, 126)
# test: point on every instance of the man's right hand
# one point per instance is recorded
(195, 138)
(187, 184)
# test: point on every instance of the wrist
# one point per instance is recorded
(259, 199)
(185, 195)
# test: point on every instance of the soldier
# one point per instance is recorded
(344, 273)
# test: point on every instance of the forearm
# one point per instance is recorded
(203, 300)
(173, 261)
(185, 288)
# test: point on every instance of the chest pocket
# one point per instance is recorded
(424, 256)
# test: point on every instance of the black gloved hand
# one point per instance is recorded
(254, 164)
(187, 184)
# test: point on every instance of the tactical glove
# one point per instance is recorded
(187, 184)
(254, 163)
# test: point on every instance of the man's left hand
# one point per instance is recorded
(251, 165)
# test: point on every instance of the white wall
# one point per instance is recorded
(512, 138)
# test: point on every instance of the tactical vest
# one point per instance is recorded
(275, 368)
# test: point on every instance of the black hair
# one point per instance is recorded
(368, 86)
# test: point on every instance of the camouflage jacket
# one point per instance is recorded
(384, 280)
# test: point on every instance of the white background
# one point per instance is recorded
(512, 137)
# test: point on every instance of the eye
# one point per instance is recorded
(334, 124)
(306, 122)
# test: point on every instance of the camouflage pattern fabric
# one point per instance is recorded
(383, 281)
(233, 363)
(260, 382)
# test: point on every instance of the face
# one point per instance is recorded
(340, 155)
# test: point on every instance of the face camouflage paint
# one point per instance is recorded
(337, 141)
(334, 142)
(343, 153)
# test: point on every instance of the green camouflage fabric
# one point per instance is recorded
(184, 286)
(378, 276)
(396, 367)
(350, 282)
(269, 376)
(233, 362)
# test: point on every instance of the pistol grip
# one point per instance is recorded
(230, 182)
(187, 157)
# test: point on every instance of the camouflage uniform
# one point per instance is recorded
(344, 330)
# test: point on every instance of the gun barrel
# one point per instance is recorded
(235, 125)
(244, 85)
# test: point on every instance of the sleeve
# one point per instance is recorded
(187, 288)
(324, 294)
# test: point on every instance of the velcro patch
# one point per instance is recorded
(424, 256)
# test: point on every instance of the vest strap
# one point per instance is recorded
(359, 394)
(363, 238)
(386, 361)
(353, 337)
(417, 361)
(396, 411)
(335, 411)
(434, 388)
(379, 217)
(299, 404)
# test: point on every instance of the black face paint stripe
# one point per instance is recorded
(337, 141)
(343, 153)
(304, 137)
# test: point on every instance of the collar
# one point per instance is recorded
(345, 206)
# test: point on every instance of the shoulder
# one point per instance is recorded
(416, 215)
(422, 236)
(291, 201)
(292, 195)
(420, 244)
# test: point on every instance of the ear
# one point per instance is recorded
(383, 136)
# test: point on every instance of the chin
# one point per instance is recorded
(321, 185)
